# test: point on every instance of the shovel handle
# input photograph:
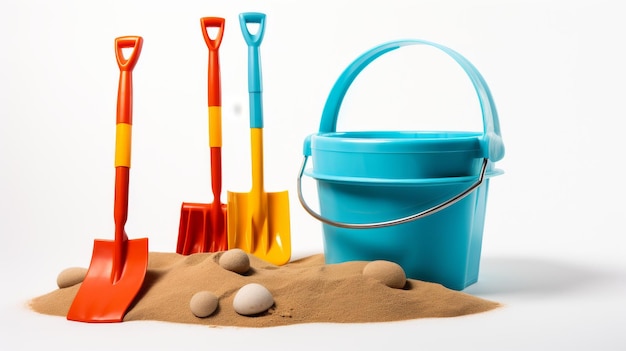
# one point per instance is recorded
(212, 22)
(214, 90)
(124, 118)
(255, 83)
(126, 65)
(123, 137)
(252, 17)
(135, 42)
(123, 133)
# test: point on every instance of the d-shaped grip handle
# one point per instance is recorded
(252, 17)
(255, 80)
(135, 42)
(212, 22)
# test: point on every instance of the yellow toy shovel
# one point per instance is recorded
(258, 222)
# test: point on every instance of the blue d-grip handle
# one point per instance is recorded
(255, 83)
(491, 141)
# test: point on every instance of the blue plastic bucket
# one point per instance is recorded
(417, 198)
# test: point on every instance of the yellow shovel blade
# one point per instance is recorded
(268, 236)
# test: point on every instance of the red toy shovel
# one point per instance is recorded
(118, 267)
(203, 226)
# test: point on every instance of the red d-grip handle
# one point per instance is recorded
(212, 22)
(125, 90)
(214, 89)
(127, 64)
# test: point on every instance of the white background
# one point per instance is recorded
(553, 249)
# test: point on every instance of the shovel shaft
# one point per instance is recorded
(123, 139)
(215, 126)
(120, 215)
(125, 98)
(126, 65)
(258, 197)
(256, 143)
(256, 109)
(214, 91)
(255, 80)
(214, 99)
(255, 90)
(216, 174)
(214, 79)
(120, 208)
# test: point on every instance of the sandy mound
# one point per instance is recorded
(305, 291)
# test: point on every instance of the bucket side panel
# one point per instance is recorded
(434, 248)
(476, 240)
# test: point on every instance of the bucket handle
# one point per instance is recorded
(389, 223)
(491, 140)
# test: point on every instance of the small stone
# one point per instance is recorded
(252, 299)
(203, 304)
(235, 260)
(387, 272)
(71, 276)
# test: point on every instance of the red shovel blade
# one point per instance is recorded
(99, 298)
(202, 228)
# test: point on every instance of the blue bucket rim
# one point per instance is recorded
(398, 141)
(400, 182)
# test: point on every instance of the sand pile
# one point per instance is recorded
(304, 291)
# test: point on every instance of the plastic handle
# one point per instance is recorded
(135, 42)
(126, 65)
(491, 141)
(214, 88)
(253, 41)
(212, 22)
(123, 146)
(255, 82)
(252, 17)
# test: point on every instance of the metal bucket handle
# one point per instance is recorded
(490, 142)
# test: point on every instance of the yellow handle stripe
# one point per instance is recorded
(122, 144)
(256, 152)
(215, 126)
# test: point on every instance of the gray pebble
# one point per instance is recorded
(71, 276)
(387, 272)
(203, 304)
(252, 299)
(235, 260)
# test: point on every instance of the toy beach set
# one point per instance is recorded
(398, 210)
